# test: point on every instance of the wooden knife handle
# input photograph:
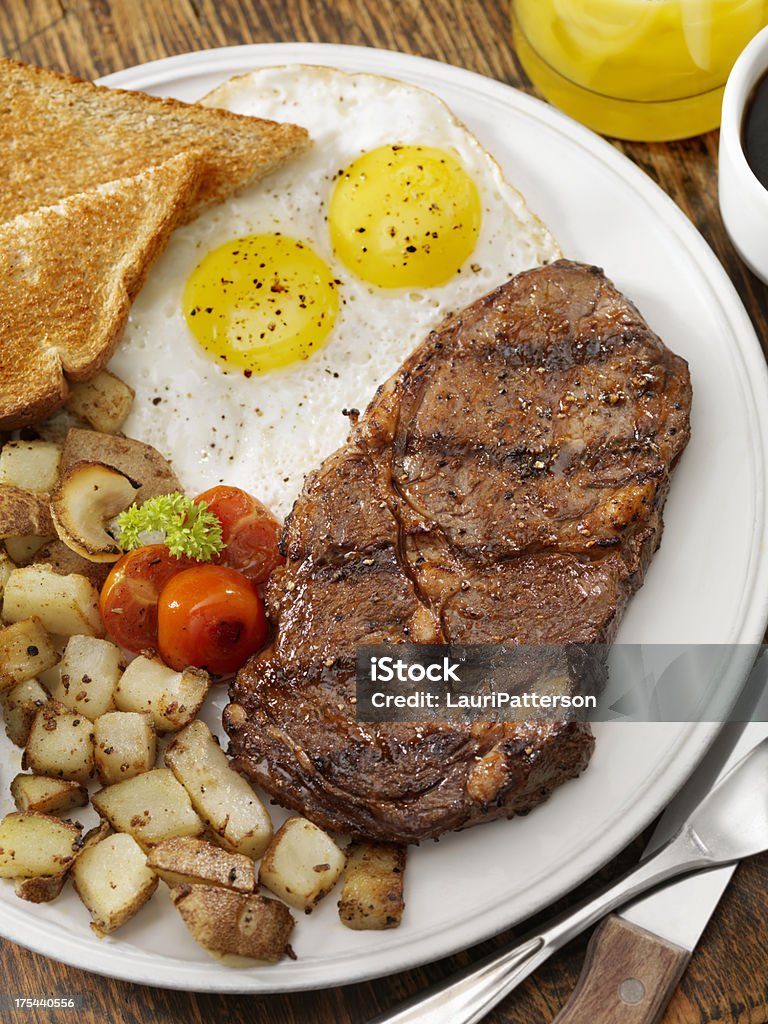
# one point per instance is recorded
(628, 977)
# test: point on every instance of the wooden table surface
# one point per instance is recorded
(727, 979)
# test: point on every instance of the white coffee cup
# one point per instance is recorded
(743, 200)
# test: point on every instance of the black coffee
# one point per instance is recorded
(754, 136)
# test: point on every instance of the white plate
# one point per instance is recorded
(707, 584)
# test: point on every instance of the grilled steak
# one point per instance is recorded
(505, 485)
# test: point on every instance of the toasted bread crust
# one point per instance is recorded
(68, 275)
(95, 134)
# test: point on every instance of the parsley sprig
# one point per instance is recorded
(184, 527)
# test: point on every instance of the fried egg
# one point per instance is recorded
(271, 315)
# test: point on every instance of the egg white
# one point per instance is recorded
(265, 433)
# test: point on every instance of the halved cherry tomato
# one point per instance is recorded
(250, 532)
(212, 617)
(128, 600)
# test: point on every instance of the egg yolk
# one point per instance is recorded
(404, 216)
(261, 302)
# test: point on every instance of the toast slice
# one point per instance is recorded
(61, 135)
(68, 275)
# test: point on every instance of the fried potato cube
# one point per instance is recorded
(49, 796)
(45, 888)
(42, 889)
(23, 549)
(301, 864)
(24, 512)
(32, 465)
(88, 674)
(372, 895)
(26, 650)
(112, 879)
(60, 745)
(6, 568)
(66, 605)
(49, 680)
(219, 794)
(20, 705)
(224, 922)
(191, 861)
(150, 807)
(33, 844)
(172, 698)
(126, 745)
(103, 402)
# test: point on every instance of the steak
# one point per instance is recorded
(505, 485)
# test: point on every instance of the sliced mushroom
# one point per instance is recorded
(88, 496)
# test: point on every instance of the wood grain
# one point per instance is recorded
(727, 979)
(628, 977)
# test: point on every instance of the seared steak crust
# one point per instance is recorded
(506, 485)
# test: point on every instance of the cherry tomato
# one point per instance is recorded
(128, 600)
(250, 532)
(212, 617)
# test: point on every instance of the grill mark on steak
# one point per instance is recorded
(506, 485)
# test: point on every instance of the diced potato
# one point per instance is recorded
(223, 921)
(42, 889)
(219, 794)
(20, 705)
(301, 864)
(26, 650)
(49, 796)
(6, 568)
(126, 745)
(113, 881)
(33, 844)
(172, 698)
(88, 674)
(45, 888)
(24, 512)
(66, 605)
(33, 465)
(372, 895)
(60, 745)
(23, 549)
(191, 861)
(103, 402)
(150, 807)
(49, 680)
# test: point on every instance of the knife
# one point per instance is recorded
(636, 957)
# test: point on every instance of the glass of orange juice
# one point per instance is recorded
(635, 69)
